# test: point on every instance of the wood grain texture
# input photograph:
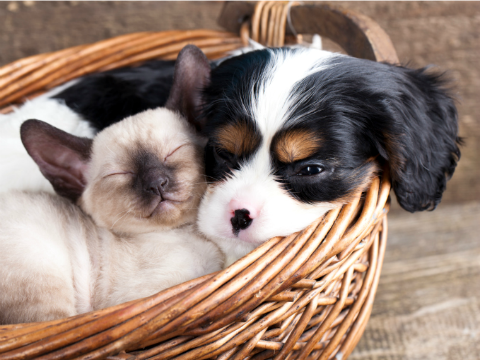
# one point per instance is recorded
(355, 32)
(427, 305)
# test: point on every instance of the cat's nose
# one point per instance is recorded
(157, 186)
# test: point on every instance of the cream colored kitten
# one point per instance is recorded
(123, 228)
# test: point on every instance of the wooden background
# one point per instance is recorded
(427, 305)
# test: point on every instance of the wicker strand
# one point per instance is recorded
(269, 20)
(361, 321)
(57, 68)
(261, 290)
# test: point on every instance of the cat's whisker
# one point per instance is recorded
(122, 215)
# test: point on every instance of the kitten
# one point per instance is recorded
(122, 228)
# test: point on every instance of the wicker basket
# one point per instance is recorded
(308, 295)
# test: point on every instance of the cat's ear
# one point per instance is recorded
(62, 158)
(192, 75)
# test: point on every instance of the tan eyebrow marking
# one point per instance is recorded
(238, 138)
(294, 145)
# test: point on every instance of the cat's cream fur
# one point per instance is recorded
(122, 238)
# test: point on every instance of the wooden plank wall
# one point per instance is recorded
(427, 306)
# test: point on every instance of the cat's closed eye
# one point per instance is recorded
(119, 173)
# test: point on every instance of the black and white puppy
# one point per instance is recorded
(296, 132)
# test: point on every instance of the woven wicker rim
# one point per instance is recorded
(27, 77)
(306, 295)
(294, 276)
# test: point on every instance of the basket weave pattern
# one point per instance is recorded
(307, 295)
(311, 292)
(35, 74)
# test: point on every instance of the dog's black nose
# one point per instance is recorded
(241, 220)
(157, 186)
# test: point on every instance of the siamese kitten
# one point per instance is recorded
(122, 227)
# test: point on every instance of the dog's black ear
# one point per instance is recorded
(192, 75)
(419, 136)
(61, 157)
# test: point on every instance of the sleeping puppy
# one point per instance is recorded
(293, 133)
(137, 186)
(81, 107)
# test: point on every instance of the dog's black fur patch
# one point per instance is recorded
(362, 110)
(108, 97)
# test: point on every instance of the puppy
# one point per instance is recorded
(81, 107)
(138, 186)
(293, 133)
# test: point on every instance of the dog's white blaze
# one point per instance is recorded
(273, 104)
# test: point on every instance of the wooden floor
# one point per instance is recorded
(428, 301)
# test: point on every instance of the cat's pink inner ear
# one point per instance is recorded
(64, 163)
(62, 158)
(192, 75)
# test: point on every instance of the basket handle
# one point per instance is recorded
(357, 34)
